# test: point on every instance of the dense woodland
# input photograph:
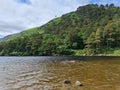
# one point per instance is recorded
(90, 30)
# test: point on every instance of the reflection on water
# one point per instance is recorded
(43, 73)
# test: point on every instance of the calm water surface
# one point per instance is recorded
(48, 73)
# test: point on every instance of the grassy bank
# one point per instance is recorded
(111, 52)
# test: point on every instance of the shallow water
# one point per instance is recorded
(49, 73)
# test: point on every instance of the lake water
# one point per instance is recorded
(49, 73)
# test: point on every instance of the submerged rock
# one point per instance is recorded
(67, 82)
(72, 61)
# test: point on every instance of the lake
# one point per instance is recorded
(49, 73)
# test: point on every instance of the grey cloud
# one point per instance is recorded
(9, 28)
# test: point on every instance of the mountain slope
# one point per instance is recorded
(91, 29)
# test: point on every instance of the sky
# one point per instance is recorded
(19, 15)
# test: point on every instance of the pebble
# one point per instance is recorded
(67, 82)
(78, 83)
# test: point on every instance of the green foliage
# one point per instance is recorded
(117, 52)
(91, 29)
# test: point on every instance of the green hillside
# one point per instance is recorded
(90, 30)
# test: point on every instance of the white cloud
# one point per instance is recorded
(16, 16)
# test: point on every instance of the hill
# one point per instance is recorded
(92, 30)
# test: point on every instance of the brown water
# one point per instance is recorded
(49, 73)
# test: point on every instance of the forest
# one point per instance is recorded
(90, 30)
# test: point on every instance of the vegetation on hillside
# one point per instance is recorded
(92, 30)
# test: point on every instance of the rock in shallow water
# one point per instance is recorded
(67, 82)
(78, 83)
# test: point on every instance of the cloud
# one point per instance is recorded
(24, 1)
(19, 15)
(9, 28)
